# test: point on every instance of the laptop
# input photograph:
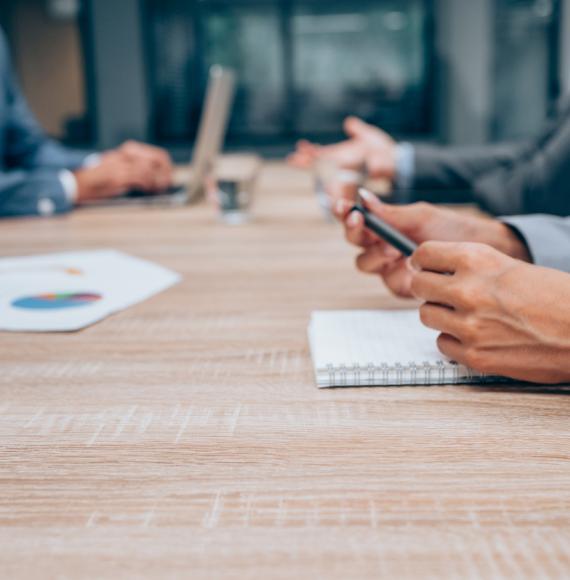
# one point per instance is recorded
(189, 181)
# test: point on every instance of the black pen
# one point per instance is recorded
(385, 231)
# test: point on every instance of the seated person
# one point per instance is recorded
(41, 177)
(503, 179)
(496, 311)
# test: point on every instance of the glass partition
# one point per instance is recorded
(366, 58)
(302, 65)
(525, 82)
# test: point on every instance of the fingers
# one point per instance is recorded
(406, 218)
(371, 201)
(342, 208)
(348, 155)
(142, 175)
(356, 233)
(443, 257)
(377, 257)
(119, 184)
(355, 230)
(165, 176)
(308, 148)
(149, 159)
(451, 347)
(397, 278)
(300, 160)
(441, 318)
(342, 190)
(125, 173)
(356, 128)
(435, 288)
(451, 257)
(305, 155)
(115, 175)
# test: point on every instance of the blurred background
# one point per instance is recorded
(451, 71)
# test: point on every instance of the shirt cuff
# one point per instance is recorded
(51, 197)
(92, 160)
(547, 239)
(405, 172)
(69, 181)
(69, 184)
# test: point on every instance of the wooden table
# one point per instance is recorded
(185, 437)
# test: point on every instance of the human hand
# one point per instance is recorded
(114, 175)
(152, 162)
(367, 147)
(420, 222)
(496, 314)
(132, 166)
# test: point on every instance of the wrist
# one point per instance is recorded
(84, 185)
(512, 243)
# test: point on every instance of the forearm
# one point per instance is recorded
(33, 193)
(448, 174)
(52, 155)
(535, 183)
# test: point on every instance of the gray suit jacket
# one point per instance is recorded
(524, 178)
(30, 162)
(527, 178)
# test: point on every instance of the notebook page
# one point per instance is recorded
(371, 337)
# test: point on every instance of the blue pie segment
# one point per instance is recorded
(57, 301)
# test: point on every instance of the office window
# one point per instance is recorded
(302, 66)
(526, 65)
(247, 38)
(366, 58)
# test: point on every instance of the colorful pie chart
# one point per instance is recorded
(57, 301)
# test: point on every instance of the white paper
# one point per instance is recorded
(362, 337)
(98, 283)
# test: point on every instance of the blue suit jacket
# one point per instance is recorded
(30, 162)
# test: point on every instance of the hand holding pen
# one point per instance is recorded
(382, 228)
(418, 222)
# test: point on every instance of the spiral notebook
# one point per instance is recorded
(380, 348)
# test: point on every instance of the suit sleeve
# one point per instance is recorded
(442, 169)
(503, 179)
(29, 180)
(536, 183)
(547, 238)
(28, 193)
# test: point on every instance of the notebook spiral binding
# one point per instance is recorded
(425, 373)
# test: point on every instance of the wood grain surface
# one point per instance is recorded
(185, 437)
